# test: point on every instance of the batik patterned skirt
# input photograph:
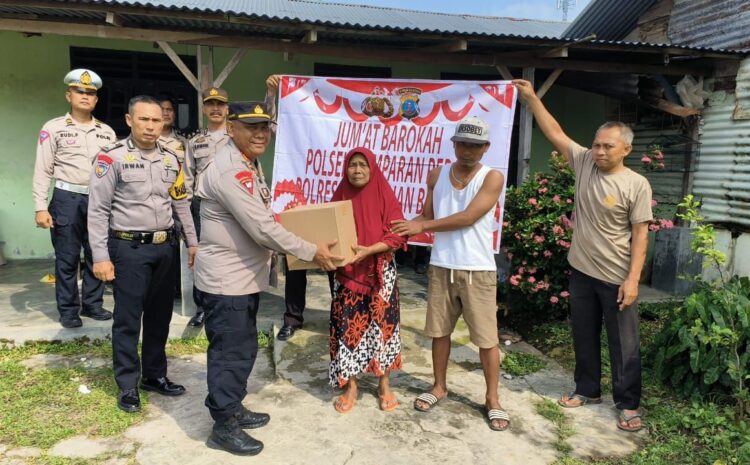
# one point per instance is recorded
(365, 334)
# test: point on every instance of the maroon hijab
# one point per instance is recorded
(375, 206)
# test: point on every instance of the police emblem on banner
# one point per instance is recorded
(377, 104)
(245, 179)
(409, 106)
(102, 165)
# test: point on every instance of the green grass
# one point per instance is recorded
(40, 407)
(522, 364)
(680, 431)
(563, 429)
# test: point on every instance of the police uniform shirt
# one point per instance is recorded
(176, 143)
(238, 231)
(201, 149)
(130, 192)
(65, 151)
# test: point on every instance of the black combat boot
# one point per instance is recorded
(229, 437)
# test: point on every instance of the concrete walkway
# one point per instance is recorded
(290, 382)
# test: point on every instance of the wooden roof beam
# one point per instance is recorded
(453, 46)
(114, 19)
(549, 82)
(311, 36)
(180, 64)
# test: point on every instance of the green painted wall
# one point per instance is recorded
(579, 113)
(31, 92)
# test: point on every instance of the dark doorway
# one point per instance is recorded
(126, 74)
(513, 154)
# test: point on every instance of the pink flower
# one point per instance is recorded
(514, 280)
(554, 299)
(659, 155)
(556, 199)
(521, 270)
(566, 222)
(564, 244)
(533, 201)
(544, 182)
(538, 239)
(559, 231)
(660, 165)
(569, 200)
(547, 254)
(565, 294)
(532, 270)
(531, 279)
(666, 224)
(653, 203)
(505, 223)
(646, 159)
(543, 190)
(535, 254)
(653, 227)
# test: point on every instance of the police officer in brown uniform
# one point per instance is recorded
(201, 149)
(67, 145)
(233, 267)
(135, 185)
(170, 138)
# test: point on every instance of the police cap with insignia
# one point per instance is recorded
(215, 93)
(249, 112)
(84, 78)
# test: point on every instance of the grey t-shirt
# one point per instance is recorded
(606, 205)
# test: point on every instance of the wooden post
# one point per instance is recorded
(199, 59)
(524, 135)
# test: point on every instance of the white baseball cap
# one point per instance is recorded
(472, 130)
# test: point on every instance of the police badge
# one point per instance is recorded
(377, 104)
(409, 106)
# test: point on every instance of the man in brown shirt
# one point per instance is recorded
(67, 145)
(613, 208)
(233, 267)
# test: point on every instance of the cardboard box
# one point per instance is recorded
(322, 222)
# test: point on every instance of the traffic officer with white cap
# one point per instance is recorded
(201, 149)
(234, 266)
(65, 150)
(136, 185)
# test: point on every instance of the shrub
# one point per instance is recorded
(536, 238)
(705, 347)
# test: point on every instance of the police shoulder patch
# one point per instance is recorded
(102, 165)
(245, 178)
(43, 135)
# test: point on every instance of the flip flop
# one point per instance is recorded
(429, 399)
(342, 406)
(583, 399)
(623, 417)
(388, 403)
(497, 414)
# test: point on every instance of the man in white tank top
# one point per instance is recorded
(459, 209)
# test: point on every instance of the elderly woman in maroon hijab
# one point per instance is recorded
(365, 334)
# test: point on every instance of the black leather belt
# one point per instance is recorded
(155, 237)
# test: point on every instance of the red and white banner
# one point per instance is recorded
(406, 123)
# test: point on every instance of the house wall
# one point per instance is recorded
(31, 92)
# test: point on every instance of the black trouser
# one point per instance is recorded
(592, 300)
(232, 348)
(295, 287)
(69, 213)
(195, 211)
(143, 288)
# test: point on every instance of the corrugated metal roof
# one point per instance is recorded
(711, 23)
(355, 16)
(722, 178)
(608, 19)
